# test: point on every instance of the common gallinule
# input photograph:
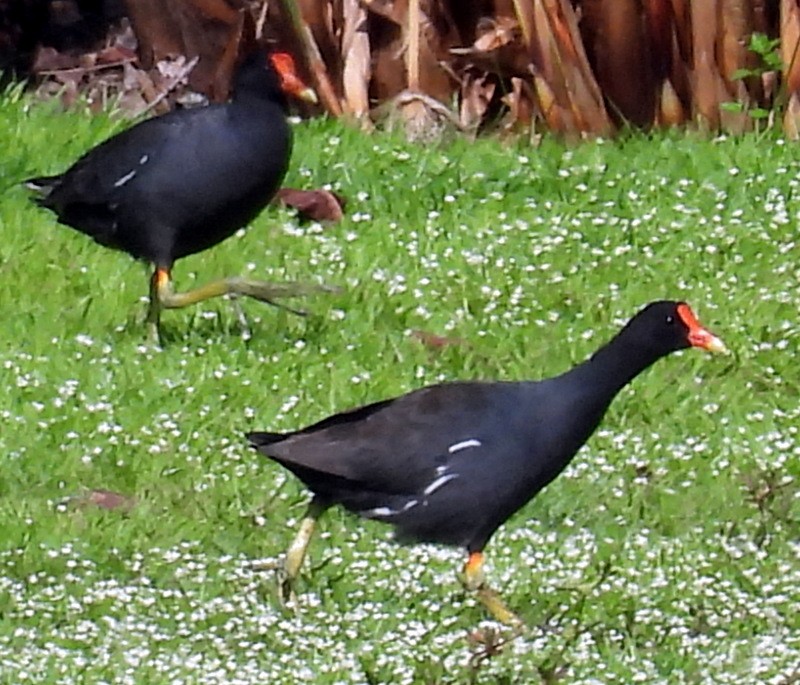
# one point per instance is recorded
(183, 182)
(450, 463)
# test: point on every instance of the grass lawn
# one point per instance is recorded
(669, 552)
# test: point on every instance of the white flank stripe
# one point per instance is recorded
(464, 445)
(124, 179)
(439, 482)
(380, 511)
(388, 511)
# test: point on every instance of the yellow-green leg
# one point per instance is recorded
(474, 580)
(159, 280)
(296, 553)
(163, 295)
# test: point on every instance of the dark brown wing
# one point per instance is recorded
(395, 446)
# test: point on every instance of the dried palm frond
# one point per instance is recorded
(578, 67)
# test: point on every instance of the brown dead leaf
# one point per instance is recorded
(106, 499)
(312, 205)
(69, 95)
(498, 48)
(70, 76)
(494, 35)
(477, 91)
(170, 74)
(435, 341)
(520, 105)
(100, 498)
(138, 90)
(50, 60)
(115, 54)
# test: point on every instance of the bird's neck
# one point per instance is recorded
(612, 367)
(263, 97)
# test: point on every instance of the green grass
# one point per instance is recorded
(668, 551)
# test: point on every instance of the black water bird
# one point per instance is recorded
(450, 463)
(180, 183)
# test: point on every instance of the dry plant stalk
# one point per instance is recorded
(790, 42)
(580, 67)
(312, 56)
(356, 55)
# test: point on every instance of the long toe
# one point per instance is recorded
(495, 605)
(269, 292)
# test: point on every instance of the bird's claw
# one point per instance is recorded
(286, 594)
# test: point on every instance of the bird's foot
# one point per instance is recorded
(286, 594)
(240, 315)
(495, 605)
(270, 293)
(154, 338)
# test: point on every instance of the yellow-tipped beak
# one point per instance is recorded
(699, 336)
(711, 343)
(307, 95)
(291, 83)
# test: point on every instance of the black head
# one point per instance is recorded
(270, 76)
(666, 326)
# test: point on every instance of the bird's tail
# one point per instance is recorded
(41, 185)
(261, 439)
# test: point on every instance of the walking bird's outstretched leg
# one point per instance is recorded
(163, 295)
(473, 579)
